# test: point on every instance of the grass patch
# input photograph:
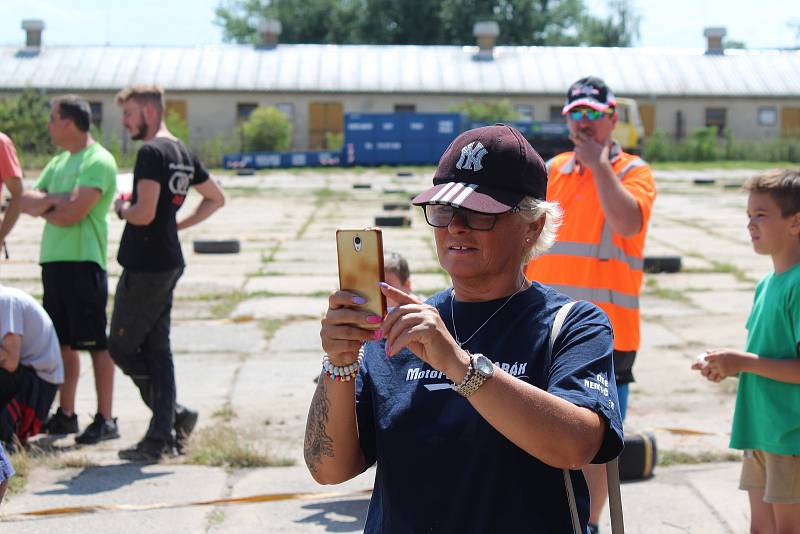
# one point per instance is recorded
(217, 517)
(227, 303)
(225, 446)
(23, 461)
(738, 274)
(74, 462)
(270, 326)
(225, 413)
(271, 255)
(710, 165)
(326, 193)
(675, 457)
(651, 288)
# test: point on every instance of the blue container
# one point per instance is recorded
(359, 126)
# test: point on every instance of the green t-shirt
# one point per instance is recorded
(86, 240)
(767, 415)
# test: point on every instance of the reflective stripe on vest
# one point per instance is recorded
(605, 250)
(599, 295)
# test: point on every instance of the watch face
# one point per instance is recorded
(483, 365)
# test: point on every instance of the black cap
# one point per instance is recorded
(592, 92)
(489, 169)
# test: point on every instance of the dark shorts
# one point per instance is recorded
(75, 298)
(623, 366)
(24, 414)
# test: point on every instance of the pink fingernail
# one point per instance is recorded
(373, 319)
(383, 284)
(378, 334)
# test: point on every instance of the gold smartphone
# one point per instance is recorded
(360, 254)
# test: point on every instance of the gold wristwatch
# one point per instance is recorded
(480, 370)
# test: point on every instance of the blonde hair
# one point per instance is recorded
(534, 209)
(143, 94)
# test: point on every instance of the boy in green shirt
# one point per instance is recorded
(766, 422)
(74, 194)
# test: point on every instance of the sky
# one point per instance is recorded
(670, 23)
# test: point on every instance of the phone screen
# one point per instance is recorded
(360, 254)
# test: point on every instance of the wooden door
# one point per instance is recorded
(790, 121)
(647, 112)
(324, 118)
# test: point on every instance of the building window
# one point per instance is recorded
(243, 111)
(767, 116)
(716, 117)
(405, 108)
(97, 114)
(287, 110)
(555, 114)
(525, 112)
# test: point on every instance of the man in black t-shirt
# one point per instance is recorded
(150, 253)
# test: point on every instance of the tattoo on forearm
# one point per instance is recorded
(317, 442)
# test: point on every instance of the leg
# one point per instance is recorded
(135, 312)
(139, 342)
(762, 518)
(787, 518)
(103, 382)
(72, 371)
(158, 355)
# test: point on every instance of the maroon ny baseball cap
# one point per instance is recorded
(489, 169)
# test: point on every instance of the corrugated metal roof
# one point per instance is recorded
(404, 69)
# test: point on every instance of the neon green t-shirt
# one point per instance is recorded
(86, 240)
(767, 415)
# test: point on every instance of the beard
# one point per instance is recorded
(141, 129)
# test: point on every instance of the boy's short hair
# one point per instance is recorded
(74, 108)
(783, 185)
(394, 262)
(143, 94)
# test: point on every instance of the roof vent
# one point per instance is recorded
(268, 32)
(33, 32)
(486, 32)
(714, 38)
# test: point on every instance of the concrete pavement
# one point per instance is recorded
(245, 336)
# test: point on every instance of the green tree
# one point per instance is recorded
(24, 118)
(177, 125)
(497, 111)
(267, 129)
(522, 22)
(620, 28)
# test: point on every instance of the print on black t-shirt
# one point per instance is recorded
(155, 247)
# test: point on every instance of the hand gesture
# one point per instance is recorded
(720, 363)
(344, 327)
(419, 327)
(589, 152)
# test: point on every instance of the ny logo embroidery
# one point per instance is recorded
(471, 156)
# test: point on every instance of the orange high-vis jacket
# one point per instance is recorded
(588, 261)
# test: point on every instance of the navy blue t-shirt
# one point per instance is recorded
(441, 466)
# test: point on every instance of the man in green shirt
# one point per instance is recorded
(73, 195)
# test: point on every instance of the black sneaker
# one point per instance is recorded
(185, 421)
(58, 423)
(99, 430)
(148, 451)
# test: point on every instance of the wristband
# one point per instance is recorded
(343, 373)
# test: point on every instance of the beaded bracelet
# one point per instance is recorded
(342, 372)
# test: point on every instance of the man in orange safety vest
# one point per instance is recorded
(607, 196)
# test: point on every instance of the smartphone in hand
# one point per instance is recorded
(360, 254)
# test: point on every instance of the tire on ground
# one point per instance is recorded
(222, 246)
(662, 264)
(639, 457)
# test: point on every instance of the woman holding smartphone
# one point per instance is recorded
(458, 400)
